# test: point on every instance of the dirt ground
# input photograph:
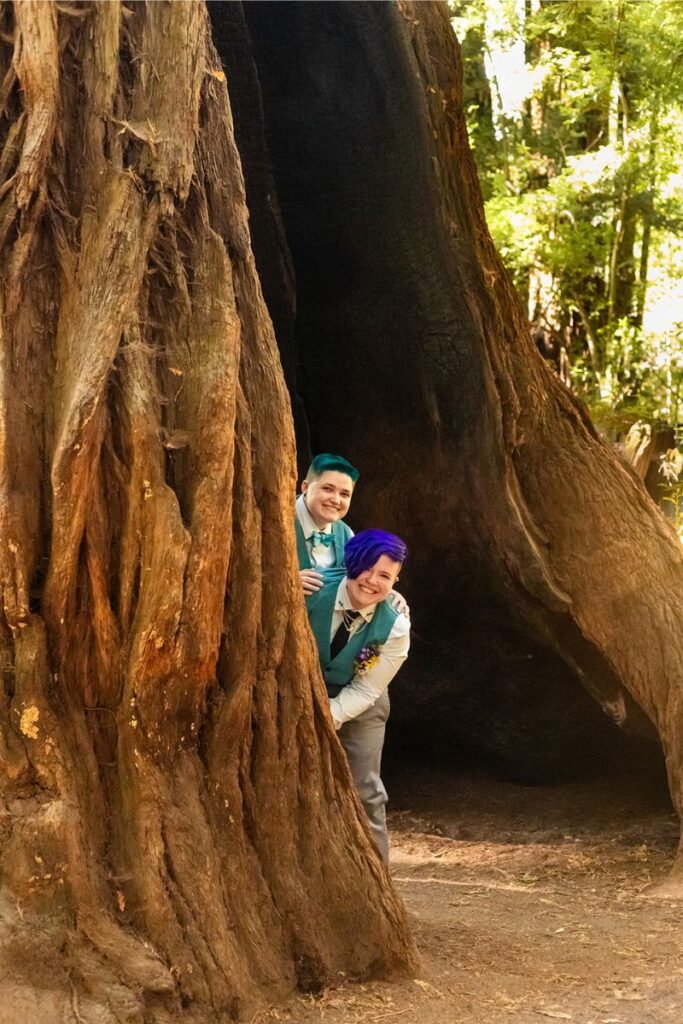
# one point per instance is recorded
(528, 903)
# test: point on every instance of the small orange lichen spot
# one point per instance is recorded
(27, 722)
(159, 642)
(220, 75)
(121, 900)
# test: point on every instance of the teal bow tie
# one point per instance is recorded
(318, 537)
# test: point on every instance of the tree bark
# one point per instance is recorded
(179, 831)
(418, 366)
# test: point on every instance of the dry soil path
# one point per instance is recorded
(529, 904)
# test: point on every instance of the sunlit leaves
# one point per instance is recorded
(584, 181)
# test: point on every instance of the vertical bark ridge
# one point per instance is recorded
(36, 65)
(98, 305)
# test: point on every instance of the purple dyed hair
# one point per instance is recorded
(363, 550)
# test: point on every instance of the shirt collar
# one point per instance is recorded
(307, 524)
(343, 603)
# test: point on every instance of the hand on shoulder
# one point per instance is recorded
(399, 603)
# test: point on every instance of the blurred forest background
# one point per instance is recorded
(575, 117)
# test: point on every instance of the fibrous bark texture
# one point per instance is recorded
(537, 556)
(178, 830)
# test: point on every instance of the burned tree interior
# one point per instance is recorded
(383, 358)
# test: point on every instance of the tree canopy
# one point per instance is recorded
(575, 117)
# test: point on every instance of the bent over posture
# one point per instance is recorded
(362, 642)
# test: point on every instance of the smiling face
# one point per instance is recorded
(328, 497)
(373, 584)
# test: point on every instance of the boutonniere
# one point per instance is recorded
(367, 657)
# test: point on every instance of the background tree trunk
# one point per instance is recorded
(179, 832)
(537, 554)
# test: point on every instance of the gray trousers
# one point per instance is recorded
(363, 738)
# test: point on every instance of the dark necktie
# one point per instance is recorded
(341, 637)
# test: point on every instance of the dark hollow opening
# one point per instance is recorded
(338, 183)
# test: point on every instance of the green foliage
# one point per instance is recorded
(583, 182)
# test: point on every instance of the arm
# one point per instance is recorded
(365, 689)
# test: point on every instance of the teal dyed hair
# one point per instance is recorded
(335, 463)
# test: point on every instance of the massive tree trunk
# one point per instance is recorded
(533, 544)
(179, 833)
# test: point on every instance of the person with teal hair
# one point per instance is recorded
(321, 533)
(362, 641)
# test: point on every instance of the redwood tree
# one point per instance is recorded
(537, 554)
(179, 833)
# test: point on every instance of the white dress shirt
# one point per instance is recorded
(322, 556)
(365, 688)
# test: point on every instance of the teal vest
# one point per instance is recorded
(338, 672)
(340, 534)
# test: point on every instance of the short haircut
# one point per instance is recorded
(322, 463)
(362, 551)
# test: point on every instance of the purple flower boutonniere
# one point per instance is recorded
(367, 657)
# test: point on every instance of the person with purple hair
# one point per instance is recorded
(362, 641)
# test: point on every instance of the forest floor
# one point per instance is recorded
(528, 904)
